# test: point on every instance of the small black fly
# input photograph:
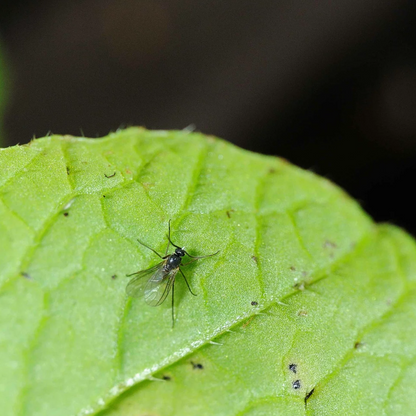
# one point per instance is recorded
(154, 284)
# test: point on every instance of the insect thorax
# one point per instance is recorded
(172, 262)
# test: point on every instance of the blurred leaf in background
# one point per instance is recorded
(3, 91)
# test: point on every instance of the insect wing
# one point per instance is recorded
(136, 287)
(158, 287)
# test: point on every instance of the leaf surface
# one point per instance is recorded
(309, 308)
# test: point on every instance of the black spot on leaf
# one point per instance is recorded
(197, 366)
(296, 384)
(293, 368)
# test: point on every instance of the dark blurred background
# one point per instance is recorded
(329, 85)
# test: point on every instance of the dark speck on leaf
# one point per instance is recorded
(26, 275)
(293, 268)
(296, 384)
(329, 244)
(197, 366)
(68, 170)
(229, 212)
(309, 395)
(255, 258)
(254, 303)
(114, 276)
(293, 367)
(103, 196)
(272, 170)
(66, 214)
(358, 345)
(167, 378)
(110, 176)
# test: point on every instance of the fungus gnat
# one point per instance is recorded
(154, 284)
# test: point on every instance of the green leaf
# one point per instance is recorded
(309, 308)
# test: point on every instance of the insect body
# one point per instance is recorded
(155, 284)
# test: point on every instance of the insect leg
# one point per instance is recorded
(167, 247)
(150, 248)
(173, 303)
(187, 284)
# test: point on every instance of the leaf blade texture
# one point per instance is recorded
(308, 308)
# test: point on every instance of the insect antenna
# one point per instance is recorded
(201, 257)
(192, 257)
(170, 241)
(150, 248)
